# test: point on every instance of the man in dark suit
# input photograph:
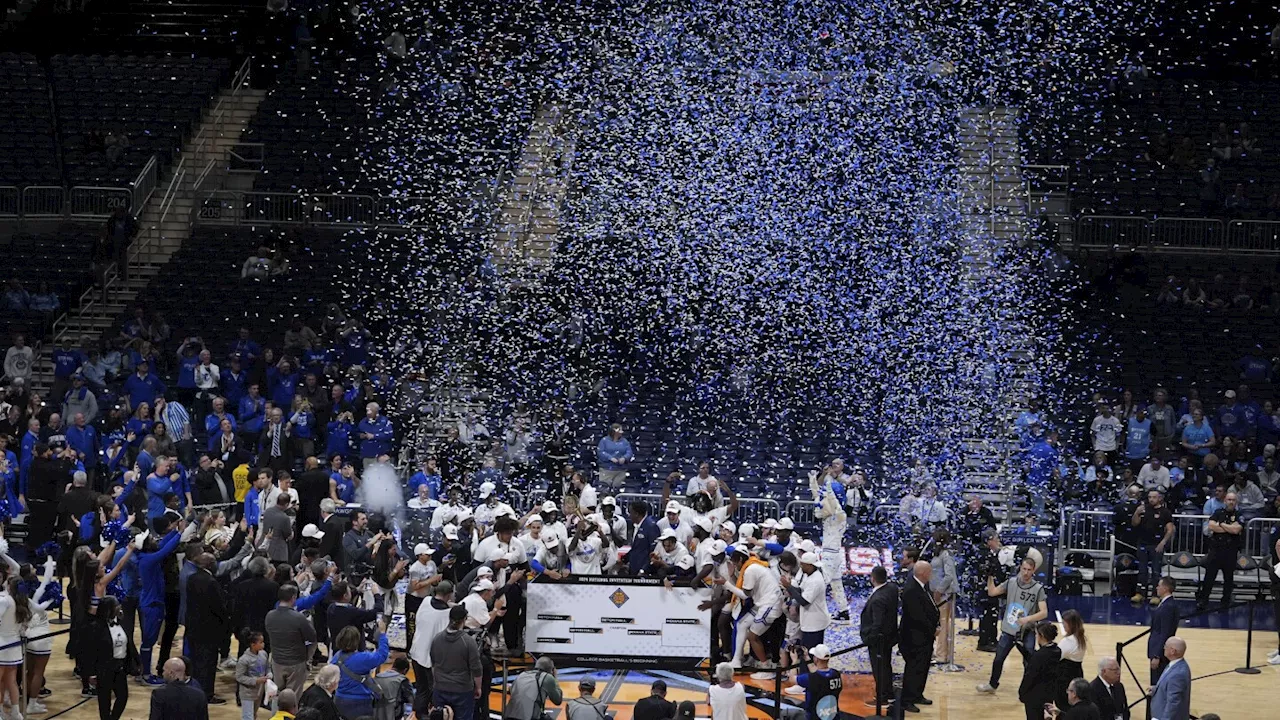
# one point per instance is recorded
(1171, 699)
(915, 638)
(273, 442)
(320, 694)
(1164, 625)
(646, 536)
(177, 700)
(312, 486)
(208, 621)
(334, 527)
(1108, 693)
(656, 706)
(880, 631)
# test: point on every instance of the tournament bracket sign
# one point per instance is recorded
(601, 621)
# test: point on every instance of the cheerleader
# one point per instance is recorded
(36, 631)
(91, 587)
(13, 615)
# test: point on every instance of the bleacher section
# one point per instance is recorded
(60, 258)
(154, 102)
(216, 302)
(1180, 347)
(1112, 175)
(28, 150)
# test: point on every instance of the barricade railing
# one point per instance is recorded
(1257, 537)
(1088, 531)
(885, 513)
(1112, 231)
(410, 211)
(87, 201)
(266, 207)
(654, 500)
(10, 201)
(1188, 535)
(1189, 233)
(535, 498)
(246, 158)
(802, 512)
(359, 210)
(144, 184)
(1253, 236)
(42, 201)
(756, 510)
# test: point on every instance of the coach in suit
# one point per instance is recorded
(177, 699)
(278, 525)
(1108, 693)
(916, 634)
(334, 527)
(880, 631)
(208, 622)
(1164, 625)
(1172, 697)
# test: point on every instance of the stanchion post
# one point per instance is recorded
(1248, 649)
(777, 694)
(60, 620)
(503, 694)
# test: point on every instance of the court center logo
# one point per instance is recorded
(618, 598)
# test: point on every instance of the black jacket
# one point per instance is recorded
(316, 697)
(254, 598)
(653, 708)
(1040, 677)
(312, 487)
(331, 544)
(1083, 710)
(207, 490)
(880, 617)
(1111, 703)
(48, 478)
(179, 701)
(208, 617)
(919, 616)
(96, 653)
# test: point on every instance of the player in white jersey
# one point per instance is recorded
(759, 584)
(669, 549)
(834, 521)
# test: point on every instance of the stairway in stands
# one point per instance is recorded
(995, 215)
(530, 215)
(165, 221)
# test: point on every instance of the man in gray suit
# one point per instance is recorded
(1171, 699)
(280, 526)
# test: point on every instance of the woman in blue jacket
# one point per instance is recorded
(353, 698)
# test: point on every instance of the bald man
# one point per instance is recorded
(916, 634)
(1171, 699)
(176, 699)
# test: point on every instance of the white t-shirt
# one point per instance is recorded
(417, 572)
(486, 514)
(431, 622)
(443, 514)
(1152, 480)
(586, 557)
(814, 616)
(673, 557)
(1071, 649)
(683, 530)
(119, 643)
(727, 703)
(477, 610)
(760, 582)
(1105, 430)
(702, 555)
(587, 497)
(697, 484)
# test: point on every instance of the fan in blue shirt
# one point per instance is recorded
(428, 476)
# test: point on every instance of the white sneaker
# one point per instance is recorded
(1274, 660)
(35, 708)
(762, 675)
(1273, 653)
(227, 664)
(986, 689)
(794, 690)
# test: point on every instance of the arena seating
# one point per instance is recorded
(28, 151)
(154, 102)
(217, 302)
(1181, 347)
(1112, 175)
(60, 258)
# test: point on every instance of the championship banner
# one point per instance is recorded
(601, 621)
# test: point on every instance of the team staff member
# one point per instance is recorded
(919, 627)
(879, 631)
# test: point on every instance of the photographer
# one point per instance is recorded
(530, 691)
